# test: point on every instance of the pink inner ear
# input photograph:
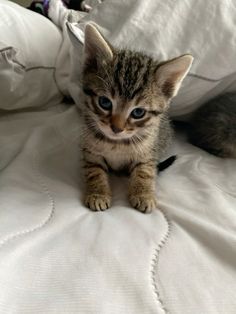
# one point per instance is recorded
(168, 88)
(169, 85)
(171, 73)
(95, 45)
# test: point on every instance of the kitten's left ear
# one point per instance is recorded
(170, 74)
(95, 45)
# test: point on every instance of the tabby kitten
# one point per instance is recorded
(125, 110)
(213, 126)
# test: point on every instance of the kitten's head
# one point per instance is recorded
(126, 92)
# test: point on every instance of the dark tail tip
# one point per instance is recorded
(166, 163)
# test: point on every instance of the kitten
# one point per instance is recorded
(213, 126)
(125, 113)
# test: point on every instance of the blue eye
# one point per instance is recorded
(138, 113)
(105, 103)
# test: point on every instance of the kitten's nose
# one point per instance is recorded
(116, 129)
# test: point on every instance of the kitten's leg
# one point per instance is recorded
(142, 187)
(98, 191)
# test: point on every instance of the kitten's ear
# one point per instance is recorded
(170, 74)
(96, 48)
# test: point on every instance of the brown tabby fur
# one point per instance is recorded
(129, 79)
(213, 126)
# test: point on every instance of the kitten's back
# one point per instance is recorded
(213, 126)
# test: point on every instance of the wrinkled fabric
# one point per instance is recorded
(56, 256)
(164, 30)
(29, 45)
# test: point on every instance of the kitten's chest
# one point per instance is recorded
(118, 157)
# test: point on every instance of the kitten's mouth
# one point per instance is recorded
(110, 134)
(104, 131)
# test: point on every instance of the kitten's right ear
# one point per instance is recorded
(170, 74)
(96, 48)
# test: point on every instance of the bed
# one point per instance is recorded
(56, 256)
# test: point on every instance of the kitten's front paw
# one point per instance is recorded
(144, 203)
(98, 202)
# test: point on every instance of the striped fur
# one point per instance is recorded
(130, 80)
(213, 126)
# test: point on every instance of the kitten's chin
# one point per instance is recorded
(116, 136)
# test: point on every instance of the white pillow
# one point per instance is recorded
(29, 45)
(166, 29)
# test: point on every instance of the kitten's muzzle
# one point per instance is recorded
(116, 129)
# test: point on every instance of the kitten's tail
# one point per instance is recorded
(166, 163)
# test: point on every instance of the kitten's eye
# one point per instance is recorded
(105, 103)
(138, 113)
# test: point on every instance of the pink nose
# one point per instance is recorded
(115, 129)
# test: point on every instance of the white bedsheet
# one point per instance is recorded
(164, 29)
(56, 256)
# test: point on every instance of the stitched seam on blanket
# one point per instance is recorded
(45, 221)
(37, 67)
(204, 78)
(55, 68)
(201, 77)
(154, 264)
(6, 48)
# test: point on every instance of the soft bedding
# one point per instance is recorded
(29, 45)
(56, 256)
(167, 29)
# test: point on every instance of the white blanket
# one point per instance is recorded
(56, 256)
(166, 29)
